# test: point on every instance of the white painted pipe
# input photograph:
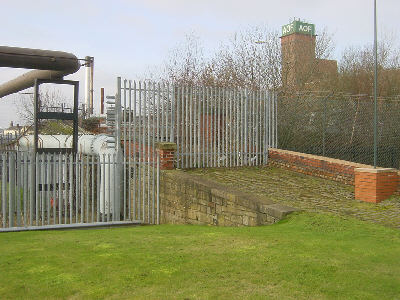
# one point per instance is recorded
(88, 145)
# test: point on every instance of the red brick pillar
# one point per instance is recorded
(166, 152)
(374, 185)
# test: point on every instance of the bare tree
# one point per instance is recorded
(49, 99)
(252, 58)
(186, 63)
(357, 69)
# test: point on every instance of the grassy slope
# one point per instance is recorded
(306, 256)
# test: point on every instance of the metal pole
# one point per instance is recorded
(158, 189)
(178, 120)
(324, 127)
(199, 129)
(125, 147)
(4, 189)
(190, 127)
(195, 127)
(139, 149)
(172, 136)
(119, 169)
(71, 184)
(187, 121)
(203, 128)
(98, 189)
(153, 146)
(375, 87)
(87, 85)
(135, 149)
(130, 149)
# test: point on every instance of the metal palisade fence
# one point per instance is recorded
(63, 190)
(212, 126)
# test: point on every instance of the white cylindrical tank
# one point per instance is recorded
(87, 145)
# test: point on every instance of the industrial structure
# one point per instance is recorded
(301, 68)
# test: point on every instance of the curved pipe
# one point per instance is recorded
(27, 80)
(15, 57)
(49, 65)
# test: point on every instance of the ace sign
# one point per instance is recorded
(298, 27)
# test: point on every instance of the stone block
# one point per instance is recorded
(277, 210)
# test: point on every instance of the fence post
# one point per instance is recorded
(118, 148)
(324, 127)
(11, 188)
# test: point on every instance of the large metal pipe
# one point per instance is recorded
(49, 65)
(15, 57)
(27, 80)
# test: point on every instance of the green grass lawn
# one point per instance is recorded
(305, 256)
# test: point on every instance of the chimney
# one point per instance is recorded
(102, 101)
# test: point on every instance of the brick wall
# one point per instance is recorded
(325, 167)
(209, 126)
(147, 154)
(191, 199)
(375, 185)
(371, 185)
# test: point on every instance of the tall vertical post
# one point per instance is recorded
(36, 109)
(118, 148)
(91, 84)
(375, 88)
(324, 120)
(102, 101)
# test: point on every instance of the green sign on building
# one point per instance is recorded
(298, 27)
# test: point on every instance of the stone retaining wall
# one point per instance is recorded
(191, 199)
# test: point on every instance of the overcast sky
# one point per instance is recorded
(125, 37)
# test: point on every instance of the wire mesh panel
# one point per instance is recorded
(340, 127)
(212, 126)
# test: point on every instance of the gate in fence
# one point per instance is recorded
(212, 126)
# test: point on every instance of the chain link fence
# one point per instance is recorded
(340, 126)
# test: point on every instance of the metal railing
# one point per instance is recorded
(53, 190)
(212, 126)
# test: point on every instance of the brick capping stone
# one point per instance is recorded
(371, 185)
(166, 146)
(166, 152)
(377, 170)
(192, 199)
